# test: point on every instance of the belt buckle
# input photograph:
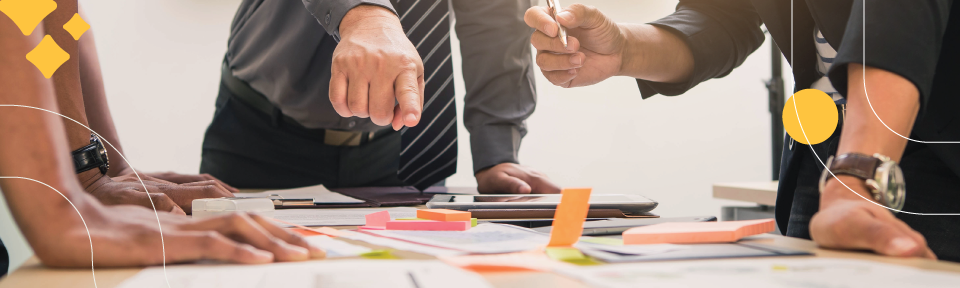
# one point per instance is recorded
(342, 138)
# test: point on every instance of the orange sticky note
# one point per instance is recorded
(697, 232)
(428, 225)
(569, 217)
(443, 215)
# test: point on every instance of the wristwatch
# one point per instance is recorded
(91, 156)
(882, 175)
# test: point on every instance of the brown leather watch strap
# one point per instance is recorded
(855, 164)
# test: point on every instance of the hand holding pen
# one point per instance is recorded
(578, 46)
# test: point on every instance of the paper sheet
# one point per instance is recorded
(319, 194)
(336, 248)
(520, 261)
(399, 245)
(771, 272)
(311, 274)
(338, 216)
(483, 239)
(631, 249)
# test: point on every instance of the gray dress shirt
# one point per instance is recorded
(284, 52)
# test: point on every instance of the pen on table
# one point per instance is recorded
(554, 6)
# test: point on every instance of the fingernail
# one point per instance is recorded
(260, 255)
(546, 27)
(317, 252)
(572, 71)
(299, 253)
(575, 60)
(411, 118)
(900, 246)
(567, 16)
(569, 46)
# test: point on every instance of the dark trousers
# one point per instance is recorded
(247, 148)
(4, 259)
(932, 187)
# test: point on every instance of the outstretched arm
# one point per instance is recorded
(50, 216)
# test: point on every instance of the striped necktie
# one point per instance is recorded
(428, 151)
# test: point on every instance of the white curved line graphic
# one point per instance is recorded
(818, 156)
(163, 248)
(89, 238)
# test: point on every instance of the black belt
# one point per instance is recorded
(243, 92)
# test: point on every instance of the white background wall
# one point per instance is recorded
(161, 62)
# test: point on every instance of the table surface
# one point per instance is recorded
(34, 274)
(763, 192)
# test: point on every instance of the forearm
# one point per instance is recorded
(896, 102)
(66, 79)
(654, 54)
(95, 102)
(35, 147)
(498, 76)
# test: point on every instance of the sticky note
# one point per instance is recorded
(569, 255)
(507, 262)
(377, 221)
(473, 222)
(697, 232)
(443, 215)
(428, 225)
(569, 217)
(601, 240)
(411, 218)
(379, 254)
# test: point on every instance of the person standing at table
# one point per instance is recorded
(306, 93)
(909, 66)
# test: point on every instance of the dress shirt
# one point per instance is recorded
(283, 49)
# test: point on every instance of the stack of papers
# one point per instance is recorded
(336, 248)
(489, 238)
(310, 274)
(337, 216)
(318, 193)
(484, 239)
(770, 272)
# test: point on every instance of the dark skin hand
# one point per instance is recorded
(122, 235)
(510, 178)
(90, 109)
(163, 195)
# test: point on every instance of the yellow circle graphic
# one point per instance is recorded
(818, 116)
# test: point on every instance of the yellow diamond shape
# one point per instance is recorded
(27, 14)
(48, 56)
(76, 26)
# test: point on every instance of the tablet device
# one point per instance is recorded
(629, 204)
(616, 226)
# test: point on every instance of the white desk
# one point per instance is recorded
(763, 193)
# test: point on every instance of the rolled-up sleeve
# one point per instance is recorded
(720, 34)
(903, 37)
(330, 12)
(498, 73)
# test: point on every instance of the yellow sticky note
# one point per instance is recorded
(569, 255)
(569, 217)
(379, 254)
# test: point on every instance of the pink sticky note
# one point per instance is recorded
(428, 225)
(377, 221)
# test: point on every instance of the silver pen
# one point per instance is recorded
(554, 6)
